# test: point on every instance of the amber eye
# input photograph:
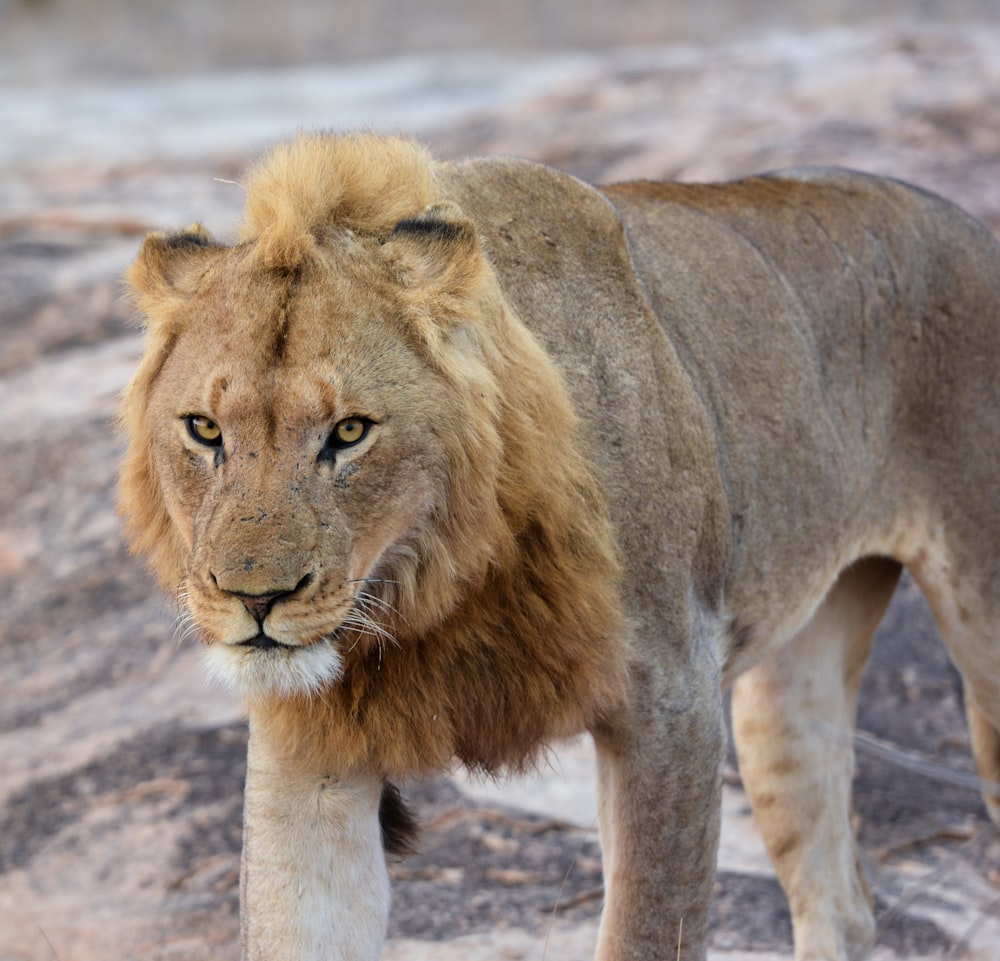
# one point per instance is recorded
(349, 431)
(203, 430)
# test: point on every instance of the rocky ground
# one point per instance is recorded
(121, 771)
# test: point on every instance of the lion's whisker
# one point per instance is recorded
(381, 603)
(185, 627)
(377, 629)
(363, 624)
(367, 598)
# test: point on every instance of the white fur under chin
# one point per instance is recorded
(276, 672)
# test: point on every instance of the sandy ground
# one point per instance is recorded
(120, 770)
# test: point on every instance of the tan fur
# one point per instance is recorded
(624, 445)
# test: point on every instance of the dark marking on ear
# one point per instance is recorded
(171, 265)
(187, 238)
(444, 231)
(437, 252)
(399, 824)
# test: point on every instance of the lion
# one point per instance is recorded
(451, 461)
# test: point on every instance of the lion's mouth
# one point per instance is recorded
(263, 643)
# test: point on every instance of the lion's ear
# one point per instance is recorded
(438, 252)
(169, 266)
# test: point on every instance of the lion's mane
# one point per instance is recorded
(506, 615)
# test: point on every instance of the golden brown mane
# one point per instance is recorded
(361, 183)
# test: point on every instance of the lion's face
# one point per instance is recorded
(303, 441)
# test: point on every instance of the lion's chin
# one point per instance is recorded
(258, 671)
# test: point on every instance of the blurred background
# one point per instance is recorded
(117, 39)
(120, 770)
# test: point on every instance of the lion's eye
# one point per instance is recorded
(349, 431)
(203, 430)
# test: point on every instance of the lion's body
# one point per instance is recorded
(617, 447)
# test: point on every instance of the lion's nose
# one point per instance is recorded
(259, 604)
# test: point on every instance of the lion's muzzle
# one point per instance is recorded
(260, 605)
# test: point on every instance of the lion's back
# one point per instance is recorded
(842, 331)
(795, 334)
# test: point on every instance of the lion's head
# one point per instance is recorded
(360, 474)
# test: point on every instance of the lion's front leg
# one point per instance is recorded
(314, 884)
(660, 785)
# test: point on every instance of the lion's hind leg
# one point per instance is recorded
(965, 610)
(793, 719)
(986, 747)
